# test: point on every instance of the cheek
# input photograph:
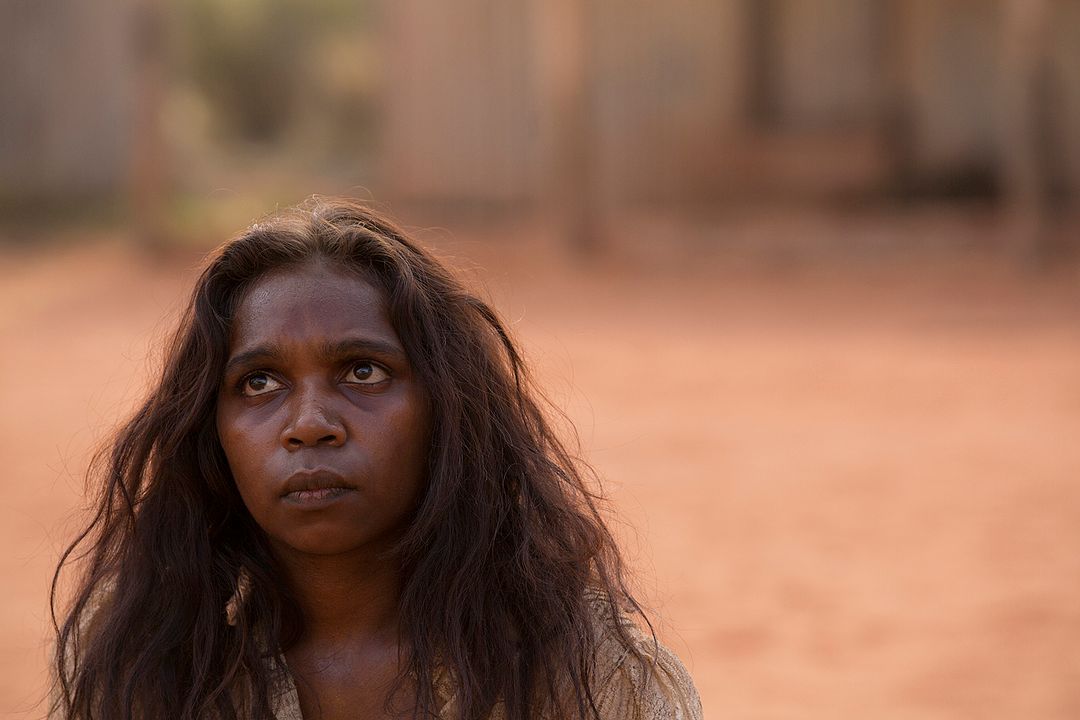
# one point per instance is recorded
(239, 446)
(227, 437)
(405, 445)
(417, 439)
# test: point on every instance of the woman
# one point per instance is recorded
(342, 499)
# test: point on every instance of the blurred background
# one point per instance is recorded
(803, 273)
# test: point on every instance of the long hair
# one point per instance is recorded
(503, 562)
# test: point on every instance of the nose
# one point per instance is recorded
(312, 424)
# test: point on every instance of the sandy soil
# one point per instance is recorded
(848, 491)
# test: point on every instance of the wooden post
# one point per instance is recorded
(148, 186)
(893, 22)
(1025, 175)
(569, 178)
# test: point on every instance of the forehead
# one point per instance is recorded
(314, 302)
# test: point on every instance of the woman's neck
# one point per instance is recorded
(344, 597)
(350, 609)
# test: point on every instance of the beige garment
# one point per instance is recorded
(627, 691)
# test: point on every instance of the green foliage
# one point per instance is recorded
(261, 65)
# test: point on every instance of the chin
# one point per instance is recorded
(318, 543)
(336, 540)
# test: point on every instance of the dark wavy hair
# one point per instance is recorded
(503, 561)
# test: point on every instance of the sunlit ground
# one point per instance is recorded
(850, 489)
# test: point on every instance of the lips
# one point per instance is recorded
(315, 484)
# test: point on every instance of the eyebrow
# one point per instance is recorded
(328, 350)
(371, 346)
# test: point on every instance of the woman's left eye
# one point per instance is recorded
(367, 373)
(258, 383)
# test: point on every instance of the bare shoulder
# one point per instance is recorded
(649, 684)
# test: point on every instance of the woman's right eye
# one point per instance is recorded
(258, 383)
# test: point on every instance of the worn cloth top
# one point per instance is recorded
(626, 690)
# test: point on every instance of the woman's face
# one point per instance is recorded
(325, 426)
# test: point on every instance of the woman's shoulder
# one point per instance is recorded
(86, 624)
(635, 675)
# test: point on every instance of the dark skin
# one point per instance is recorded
(326, 429)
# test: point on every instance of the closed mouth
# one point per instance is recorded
(313, 498)
(314, 484)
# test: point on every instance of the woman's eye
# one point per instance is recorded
(258, 384)
(366, 373)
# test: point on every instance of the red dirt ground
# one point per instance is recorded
(848, 492)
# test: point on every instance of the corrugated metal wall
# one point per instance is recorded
(695, 98)
(66, 96)
(686, 99)
(460, 118)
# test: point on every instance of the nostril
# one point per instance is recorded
(312, 427)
